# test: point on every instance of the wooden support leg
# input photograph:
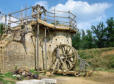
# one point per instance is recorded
(45, 51)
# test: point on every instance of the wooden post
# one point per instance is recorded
(57, 56)
(69, 19)
(35, 56)
(54, 18)
(45, 18)
(9, 22)
(37, 41)
(5, 22)
(21, 18)
(2, 50)
(45, 51)
(37, 47)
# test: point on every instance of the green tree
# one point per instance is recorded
(83, 40)
(98, 37)
(90, 39)
(99, 32)
(87, 40)
(76, 40)
(110, 32)
(1, 29)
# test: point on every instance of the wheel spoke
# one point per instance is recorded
(69, 64)
(61, 49)
(69, 50)
(66, 58)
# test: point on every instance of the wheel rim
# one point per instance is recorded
(66, 59)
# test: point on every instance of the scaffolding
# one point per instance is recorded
(37, 14)
(55, 17)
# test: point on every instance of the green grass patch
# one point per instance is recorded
(4, 81)
(97, 59)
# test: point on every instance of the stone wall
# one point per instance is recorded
(17, 54)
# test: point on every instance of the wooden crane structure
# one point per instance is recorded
(52, 42)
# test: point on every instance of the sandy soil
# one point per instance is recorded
(97, 78)
(108, 53)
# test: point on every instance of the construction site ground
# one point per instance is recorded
(99, 77)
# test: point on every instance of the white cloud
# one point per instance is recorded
(86, 13)
(42, 3)
(2, 20)
(87, 24)
(13, 20)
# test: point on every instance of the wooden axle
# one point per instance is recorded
(73, 73)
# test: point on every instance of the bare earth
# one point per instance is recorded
(97, 78)
(111, 52)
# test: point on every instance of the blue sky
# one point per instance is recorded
(89, 12)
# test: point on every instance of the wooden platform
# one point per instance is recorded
(57, 27)
(48, 25)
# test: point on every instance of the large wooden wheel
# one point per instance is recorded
(64, 57)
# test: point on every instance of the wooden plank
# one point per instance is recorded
(51, 26)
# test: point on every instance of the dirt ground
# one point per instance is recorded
(111, 52)
(99, 77)
(96, 78)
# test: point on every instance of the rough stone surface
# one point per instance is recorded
(16, 54)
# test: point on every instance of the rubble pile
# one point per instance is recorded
(24, 73)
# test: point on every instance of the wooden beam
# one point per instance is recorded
(45, 49)
(37, 41)
(37, 48)
(51, 26)
(65, 72)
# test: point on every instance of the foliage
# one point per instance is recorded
(76, 40)
(34, 71)
(110, 32)
(99, 58)
(98, 36)
(9, 75)
(3, 81)
(1, 29)
(111, 63)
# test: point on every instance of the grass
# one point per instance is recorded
(34, 71)
(100, 58)
(9, 75)
(3, 78)
(8, 78)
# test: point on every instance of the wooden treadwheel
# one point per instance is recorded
(64, 57)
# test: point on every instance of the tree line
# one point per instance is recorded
(98, 36)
